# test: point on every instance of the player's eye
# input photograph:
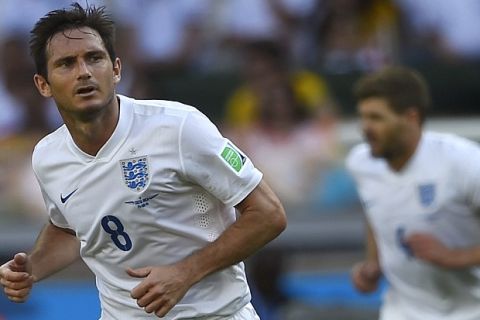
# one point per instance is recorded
(96, 58)
(66, 63)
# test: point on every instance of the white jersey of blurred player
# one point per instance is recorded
(438, 192)
(162, 187)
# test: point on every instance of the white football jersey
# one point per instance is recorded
(438, 192)
(162, 187)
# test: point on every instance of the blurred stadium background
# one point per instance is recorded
(276, 77)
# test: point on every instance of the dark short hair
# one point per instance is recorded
(401, 87)
(63, 19)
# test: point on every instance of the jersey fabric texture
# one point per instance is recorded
(438, 192)
(162, 187)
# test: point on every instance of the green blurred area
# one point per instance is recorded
(454, 88)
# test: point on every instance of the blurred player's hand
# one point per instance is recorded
(16, 278)
(366, 275)
(161, 288)
(428, 248)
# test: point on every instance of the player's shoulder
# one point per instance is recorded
(449, 145)
(172, 114)
(49, 146)
(162, 107)
(359, 157)
(52, 140)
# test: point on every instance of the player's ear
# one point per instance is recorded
(42, 85)
(117, 70)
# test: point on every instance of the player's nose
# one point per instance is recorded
(83, 70)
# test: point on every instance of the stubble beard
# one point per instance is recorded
(96, 112)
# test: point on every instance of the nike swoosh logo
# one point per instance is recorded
(64, 199)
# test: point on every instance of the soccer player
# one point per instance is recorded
(144, 192)
(421, 195)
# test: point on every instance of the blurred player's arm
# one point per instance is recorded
(372, 251)
(54, 250)
(262, 218)
(366, 274)
(428, 248)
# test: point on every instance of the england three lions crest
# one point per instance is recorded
(427, 194)
(136, 173)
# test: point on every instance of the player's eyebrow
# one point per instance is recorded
(72, 58)
(96, 53)
(62, 60)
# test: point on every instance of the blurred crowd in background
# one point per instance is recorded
(274, 75)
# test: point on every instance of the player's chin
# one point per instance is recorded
(90, 102)
(376, 150)
(89, 109)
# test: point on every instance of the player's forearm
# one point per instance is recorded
(237, 243)
(371, 250)
(256, 226)
(465, 258)
(54, 250)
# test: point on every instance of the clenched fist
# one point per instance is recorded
(16, 278)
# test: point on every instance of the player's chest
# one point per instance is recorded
(124, 188)
(419, 196)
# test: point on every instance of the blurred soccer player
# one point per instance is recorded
(421, 194)
(143, 191)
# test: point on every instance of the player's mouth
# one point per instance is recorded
(374, 143)
(369, 137)
(85, 91)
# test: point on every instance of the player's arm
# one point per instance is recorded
(54, 249)
(262, 218)
(429, 248)
(366, 274)
(466, 182)
(371, 249)
(464, 258)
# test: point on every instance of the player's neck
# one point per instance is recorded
(399, 161)
(91, 135)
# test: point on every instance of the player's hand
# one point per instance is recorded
(16, 278)
(428, 248)
(161, 289)
(366, 275)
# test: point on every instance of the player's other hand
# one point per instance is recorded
(366, 276)
(16, 278)
(161, 289)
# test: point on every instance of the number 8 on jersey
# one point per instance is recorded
(117, 233)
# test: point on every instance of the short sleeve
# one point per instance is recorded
(355, 163)
(54, 213)
(466, 170)
(353, 159)
(215, 163)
